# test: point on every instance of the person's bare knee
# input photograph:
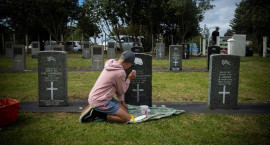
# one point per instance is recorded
(123, 114)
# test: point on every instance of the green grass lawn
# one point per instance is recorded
(63, 128)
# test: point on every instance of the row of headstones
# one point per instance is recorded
(223, 80)
(17, 54)
(52, 79)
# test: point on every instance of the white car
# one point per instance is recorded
(75, 46)
(47, 45)
(127, 42)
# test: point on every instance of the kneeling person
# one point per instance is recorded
(112, 80)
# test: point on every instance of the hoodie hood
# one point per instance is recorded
(113, 64)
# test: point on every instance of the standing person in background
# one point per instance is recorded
(214, 36)
(228, 33)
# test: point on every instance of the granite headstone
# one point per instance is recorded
(18, 61)
(212, 50)
(97, 53)
(185, 51)
(9, 49)
(35, 49)
(160, 50)
(111, 50)
(175, 57)
(140, 88)
(86, 50)
(223, 81)
(52, 78)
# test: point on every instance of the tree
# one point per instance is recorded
(56, 15)
(252, 18)
(39, 16)
(88, 19)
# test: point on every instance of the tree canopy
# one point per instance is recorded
(178, 18)
(252, 18)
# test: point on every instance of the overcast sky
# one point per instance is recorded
(220, 15)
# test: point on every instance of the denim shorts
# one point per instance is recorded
(111, 107)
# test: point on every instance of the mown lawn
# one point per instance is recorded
(63, 128)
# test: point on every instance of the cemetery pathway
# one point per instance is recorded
(190, 107)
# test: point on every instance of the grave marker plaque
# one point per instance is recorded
(111, 50)
(175, 57)
(185, 51)
(140, 88)
(86, 53)
(9, 49)
(137, 49)
(18, 61)
(212, 50)
(97, 53)
(35, 49)
(52, 78)
(223, 81)
(160, 50)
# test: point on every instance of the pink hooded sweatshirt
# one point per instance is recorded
(111, 80)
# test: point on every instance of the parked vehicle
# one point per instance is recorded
(105, 42)
(48, 45)
(73, 46)
(127, 42)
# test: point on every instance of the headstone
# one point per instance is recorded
(111, 50)
(18, 61)
(86, 50)
(212, 50)
(137, 49)
(35, 49)
(97, 53)
(264, 46)
(185, 54)
(8, 49)
(52, 78)
(204, 45)
(239, 45)
(175, 57)
(160, 50)
(223, 81)
(58, 47)
(230, 46)
(218, 41)
(140, 88)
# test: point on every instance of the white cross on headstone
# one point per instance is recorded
(138, 92)
(52, 89)
(175, 61)
(97, 60)
(160, 54)
(224, 93)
